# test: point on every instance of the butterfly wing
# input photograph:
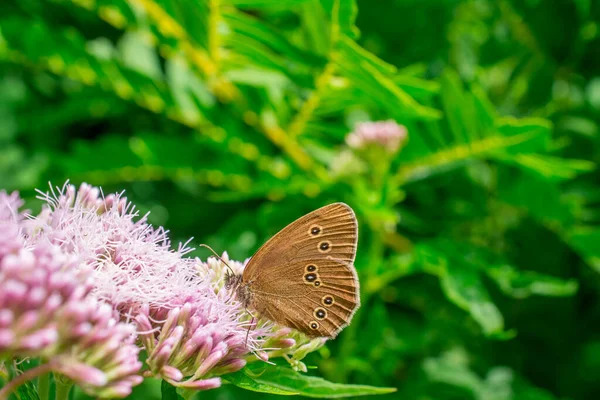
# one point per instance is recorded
(303, 277)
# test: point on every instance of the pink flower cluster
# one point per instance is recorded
(88, 283)
(47, 311)
(386, 134)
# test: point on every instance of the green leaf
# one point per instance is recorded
(375, 78)
(549, 167)
(585, 241)
(424, 166)
(243, 380)
(282, 380)
(27, 391)
(452, 369)
(264, 3)
(522, 284)
(169, 392)
(538, 196)
(458, 109)
(343, 15)
(539, 131)
(462, 284)
(458, 267)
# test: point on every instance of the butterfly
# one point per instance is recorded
(304, 277)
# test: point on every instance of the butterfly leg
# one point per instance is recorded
(249, 326)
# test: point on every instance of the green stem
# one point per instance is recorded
(3, 371)
(214, 18)
(62, 390)
(21, 379)
(44, 386)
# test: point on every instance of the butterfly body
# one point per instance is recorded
(304, 276)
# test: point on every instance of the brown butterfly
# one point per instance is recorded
(304, 276)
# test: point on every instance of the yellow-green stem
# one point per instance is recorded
(213, 30)
(44, 386)
(62, 390)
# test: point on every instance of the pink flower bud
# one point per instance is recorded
(386, 134)
(205, 384)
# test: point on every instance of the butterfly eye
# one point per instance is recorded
(310, 277)
(311, 268)
(327, 300)
(314, 325)
(324, 246)
(317, 283)
(320, 313)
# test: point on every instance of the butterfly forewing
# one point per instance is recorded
(303, 277)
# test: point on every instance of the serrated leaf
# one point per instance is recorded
(283, 380)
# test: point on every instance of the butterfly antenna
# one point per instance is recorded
(218, 256)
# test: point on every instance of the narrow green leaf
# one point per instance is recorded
(539, 130)
(283, 380)
(316, 25)
(27, 391)
(343, 15)
(441, 160)
(418, 88)
(264, 3)
(244, 24)
(375, 78)
(549, 167)
(458, 109)
(484, 110)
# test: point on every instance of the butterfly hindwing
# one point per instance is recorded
(303, 277)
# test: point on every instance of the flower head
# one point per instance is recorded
(47, 311)
(386, 134)
(132, 262)
(88, 281)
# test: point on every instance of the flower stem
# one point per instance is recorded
(44, 386)
(62, 390)
(21, 379)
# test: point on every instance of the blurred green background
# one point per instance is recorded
(479, 252)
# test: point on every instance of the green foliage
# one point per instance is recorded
(284, 381)
(478, 254)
